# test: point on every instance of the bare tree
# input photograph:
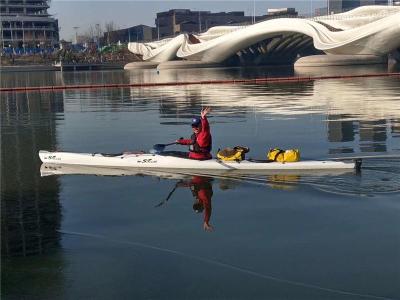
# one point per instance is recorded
(99, 30)
(91, 33)
(109, 26)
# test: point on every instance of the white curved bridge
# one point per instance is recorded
(367, 30)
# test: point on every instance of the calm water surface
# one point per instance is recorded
(278, 236)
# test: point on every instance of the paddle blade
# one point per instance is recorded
(159, 147)
(152, 151)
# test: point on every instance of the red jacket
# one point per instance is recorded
(200, 143)
(201, 188)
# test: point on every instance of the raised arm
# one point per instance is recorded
(205, 111)
(204, 136)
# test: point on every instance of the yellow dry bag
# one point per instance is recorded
(282, 156)
(236, 154)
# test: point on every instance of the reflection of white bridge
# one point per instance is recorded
(368, 30)
(361, 99)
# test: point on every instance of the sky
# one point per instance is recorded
(127, 13)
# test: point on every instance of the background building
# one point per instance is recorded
(321, 11)
(138, 33)
(176, 21)
(339, 6)
(27, 24)
(281, 12)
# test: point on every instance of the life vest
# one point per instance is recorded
(200, 183)
(195, 147)
(196, 188)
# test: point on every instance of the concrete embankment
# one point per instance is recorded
(185, 64)
(339, 60)
(141, 65)
(64, 67)
(28, 68)
(169, 65)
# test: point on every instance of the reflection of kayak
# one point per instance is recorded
(56, 169)
(163, 161)
(47, 169)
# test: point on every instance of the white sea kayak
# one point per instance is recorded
(165, 161)
(47, 169)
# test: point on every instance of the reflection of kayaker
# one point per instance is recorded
(200, 142)
(202, 191)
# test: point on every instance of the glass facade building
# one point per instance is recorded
(27, 24)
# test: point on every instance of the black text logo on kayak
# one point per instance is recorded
(52, 157)
(147, 161)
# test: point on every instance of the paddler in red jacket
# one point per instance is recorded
(200, 142)
(202, 192)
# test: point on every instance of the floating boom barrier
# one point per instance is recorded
(201, 82)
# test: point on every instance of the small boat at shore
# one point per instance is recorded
(167, 161)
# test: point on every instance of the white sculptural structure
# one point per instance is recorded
(367, 30)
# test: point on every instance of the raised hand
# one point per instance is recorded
(207, 227)
(205, 111)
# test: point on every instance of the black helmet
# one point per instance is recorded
(196, 121)
(198, 207)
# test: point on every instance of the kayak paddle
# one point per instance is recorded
(169, 195)
(161, 147)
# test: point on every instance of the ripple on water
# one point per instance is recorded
(369, 183)
(377, 177)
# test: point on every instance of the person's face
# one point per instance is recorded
(196, 130)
